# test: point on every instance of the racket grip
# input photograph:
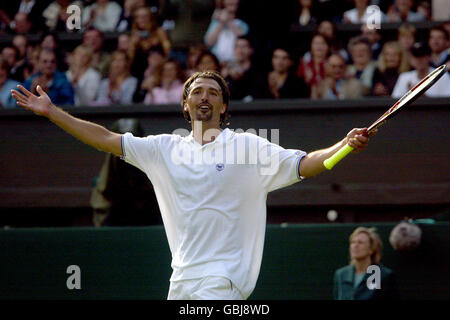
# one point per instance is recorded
(338, 156)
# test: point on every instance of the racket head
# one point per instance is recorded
(409, 97)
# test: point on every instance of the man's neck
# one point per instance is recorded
(205, 131)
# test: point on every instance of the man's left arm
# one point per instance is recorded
(312, 163)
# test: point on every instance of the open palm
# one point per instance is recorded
(38, 104)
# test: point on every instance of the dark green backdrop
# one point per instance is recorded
(134, 263)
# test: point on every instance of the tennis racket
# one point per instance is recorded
(407, 99)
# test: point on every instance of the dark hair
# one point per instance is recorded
(358, 40)
(209, 74)
(210, 54)
(442, 29)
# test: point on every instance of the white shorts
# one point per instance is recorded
(207, 288)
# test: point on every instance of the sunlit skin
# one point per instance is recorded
(204, 104)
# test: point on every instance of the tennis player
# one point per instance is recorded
(211, 185)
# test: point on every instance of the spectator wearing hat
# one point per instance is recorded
(420, 61)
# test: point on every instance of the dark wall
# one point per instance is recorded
(405, 164)
(134, 263)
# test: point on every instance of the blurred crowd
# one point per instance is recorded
(157, 44)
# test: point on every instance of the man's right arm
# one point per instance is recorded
(90, 133)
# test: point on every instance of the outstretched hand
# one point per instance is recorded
(40, 105)
(358, 139)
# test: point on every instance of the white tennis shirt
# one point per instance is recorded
(212, 199)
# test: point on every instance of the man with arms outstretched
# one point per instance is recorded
(211, 185)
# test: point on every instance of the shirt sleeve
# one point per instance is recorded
(278, 167)
(140, 152)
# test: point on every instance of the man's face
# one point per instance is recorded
(281, 62)
(47, 63)
(404, 6)
(437, 41)
(93, 40)
(360, 247)
(361, 53)
(336, 67)
(9, 56)
(242, 50)
(205, 102)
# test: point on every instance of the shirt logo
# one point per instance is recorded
(220, 166)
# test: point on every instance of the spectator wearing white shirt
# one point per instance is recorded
(361, 13)
(103, 15)
(85, 79)
(420, 61)
(223, 31)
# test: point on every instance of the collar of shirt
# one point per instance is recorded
(221, 138)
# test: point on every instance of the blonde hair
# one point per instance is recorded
(375, 243)
(404, 62)
(82, 49)
(406, 29)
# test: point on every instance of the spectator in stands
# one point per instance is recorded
(207, 61)
(352, 282)
(424, 8)
(6, 85)
(102, 15)
(374, 37)
(120, 86)
(438, 42)
(392, 61)
(126, 15)
(155, 60)
(85, 79)
(336, 86)
(17, 72)
(94, 39)
(360, 13)
(240, 74)
(224, 29)
(33, 9)
(10, 56)
(169, 83)
(51, 42)
(53, 81)
(146, 34)
(21, 23)
(406, 36)
(306, 13)
(32, 66)
(328, 30)
(420, 61)
(401, 11)
(56, 15)
(123, 42)
(363, 66)
(282, 82)
(20, 41)
(312, 67)
(194, 51)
